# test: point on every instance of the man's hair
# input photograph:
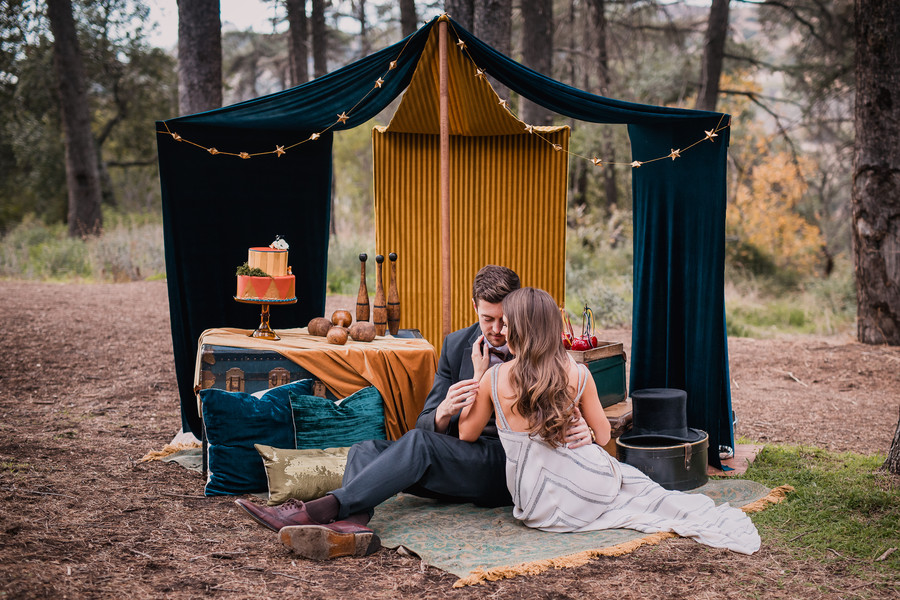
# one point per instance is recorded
(493, 283)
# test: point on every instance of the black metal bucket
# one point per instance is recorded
(672, 465)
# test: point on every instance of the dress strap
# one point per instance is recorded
(498, 412)
(582, 383)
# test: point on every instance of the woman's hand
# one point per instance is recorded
(481, 358)
(578, 433)
(460, 395)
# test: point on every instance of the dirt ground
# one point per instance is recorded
(87, 387)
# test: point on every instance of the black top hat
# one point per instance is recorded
(660, 415)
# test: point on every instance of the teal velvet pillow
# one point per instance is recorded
(322, 423)
(234, 422)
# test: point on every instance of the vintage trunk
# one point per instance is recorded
(607, 365)
(245, 370)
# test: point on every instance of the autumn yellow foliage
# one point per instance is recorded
(763, 216)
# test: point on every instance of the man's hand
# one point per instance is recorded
(578, 434)
(481, 358)
(460, 395)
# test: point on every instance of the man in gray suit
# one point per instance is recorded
(430, 460)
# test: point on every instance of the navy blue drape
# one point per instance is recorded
(678, 336)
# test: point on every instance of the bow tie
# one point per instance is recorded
(502, 353)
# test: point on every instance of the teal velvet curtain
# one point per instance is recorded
(215, 207)
(678, 335)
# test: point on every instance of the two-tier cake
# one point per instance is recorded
(266, 276)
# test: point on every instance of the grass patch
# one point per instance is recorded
(843, 505)
(13, 466)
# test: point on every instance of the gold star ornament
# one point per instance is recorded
(479, 73)
(557, 147)
(529, 128)
(597, 162)
(675, 154)
(379, 82)
(176, 137)
(636, 164)
(710, 134)
(279, 150)
(393, 65)
(244, 155)
(342, 118)
(502, 103)
(314, 137)
(213, 151)
(461, 44)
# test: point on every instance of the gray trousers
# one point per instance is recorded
(426, 464)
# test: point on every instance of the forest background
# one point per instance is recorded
(787, 81)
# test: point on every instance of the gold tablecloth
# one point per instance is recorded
(402, 369)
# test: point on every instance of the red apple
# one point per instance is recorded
(581, 345)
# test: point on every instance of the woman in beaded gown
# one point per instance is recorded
(555, 488)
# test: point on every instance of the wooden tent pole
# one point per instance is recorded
(445, 177)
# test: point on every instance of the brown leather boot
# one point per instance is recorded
(324, 542)
(292, 512)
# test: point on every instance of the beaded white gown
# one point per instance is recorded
(585, 489)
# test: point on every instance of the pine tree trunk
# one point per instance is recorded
(408, 19)
(299, 57)
(892, 464)
(493, 23)
(537, 53)
(82, 171)
(876, 172)
(365, 45)
(319, 38)
(199, 56)
(461, 11)
(713, 55)
(601, 62)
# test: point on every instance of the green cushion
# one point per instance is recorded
(302, 474)
(323, 423)
(234, 422)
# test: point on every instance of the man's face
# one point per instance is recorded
(490, 319)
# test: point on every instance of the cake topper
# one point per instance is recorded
(279, 244)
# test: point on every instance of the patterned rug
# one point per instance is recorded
(478, 544)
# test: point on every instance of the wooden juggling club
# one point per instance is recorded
(379, 318)
(393, 298)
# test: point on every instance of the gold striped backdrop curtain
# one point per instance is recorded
(508, 207)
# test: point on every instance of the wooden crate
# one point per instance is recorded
(607, 366)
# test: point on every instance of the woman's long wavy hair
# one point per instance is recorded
(539, 377)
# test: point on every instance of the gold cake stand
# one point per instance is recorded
(264, 331)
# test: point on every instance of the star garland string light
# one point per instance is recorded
(479, 74)
(281, 150)
(597, 162)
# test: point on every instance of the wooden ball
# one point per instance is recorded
(342, 318)
(337, 335)
(319, 326)
(362, 331)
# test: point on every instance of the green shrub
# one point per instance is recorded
(818, 306)
(343, 263)
(599, 268)
(33, 250)
(129, 249)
